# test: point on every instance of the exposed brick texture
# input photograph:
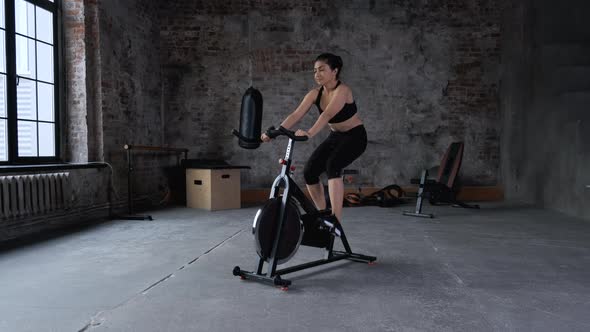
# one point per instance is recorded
(113, 91)
(131, 94)
(76, 129)
(172, 73)
(424, 74)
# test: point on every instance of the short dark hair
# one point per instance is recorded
(334, 61)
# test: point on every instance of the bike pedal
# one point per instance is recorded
(330, 226)
(327, 223)
(336, 232)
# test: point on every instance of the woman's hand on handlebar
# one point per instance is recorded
(272, 133)
(265, 137)
(301, 132)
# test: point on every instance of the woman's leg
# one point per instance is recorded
(336, 190)
(316, 191)
(316, 165)
(350, 146)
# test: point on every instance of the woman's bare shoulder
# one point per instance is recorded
(346, 92)
(313, 93)
(344, 88)
(315, 90)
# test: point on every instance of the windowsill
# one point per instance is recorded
(49, 167)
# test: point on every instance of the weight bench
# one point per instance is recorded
(443, 189)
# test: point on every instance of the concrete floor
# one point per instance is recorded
(498, 269)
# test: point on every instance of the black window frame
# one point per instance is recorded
(12, 79)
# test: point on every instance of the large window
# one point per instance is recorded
(28, 81)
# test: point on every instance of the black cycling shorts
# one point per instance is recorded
(339, 150)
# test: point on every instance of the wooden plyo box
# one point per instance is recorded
(213, 189)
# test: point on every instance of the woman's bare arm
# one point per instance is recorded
(301, 110)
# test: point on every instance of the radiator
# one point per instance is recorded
(33, 194)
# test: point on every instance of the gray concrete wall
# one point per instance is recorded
(424, 74)
(545, 107)
(516, 98)
(130, 96)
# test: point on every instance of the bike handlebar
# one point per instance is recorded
(282, 131)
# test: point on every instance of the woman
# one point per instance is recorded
(347, 139)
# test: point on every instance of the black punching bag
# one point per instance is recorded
(250, 119)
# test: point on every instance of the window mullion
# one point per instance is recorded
(32, 40)
(36, 81)
(11, 86)
(57, 76)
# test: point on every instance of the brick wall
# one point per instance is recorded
(74, 123)
(424, 74)
(131, 92)
(113, 92)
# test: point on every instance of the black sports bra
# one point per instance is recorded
(344, 114)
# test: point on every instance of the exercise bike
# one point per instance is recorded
(289, 219)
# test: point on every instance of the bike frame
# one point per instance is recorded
(292, 191)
